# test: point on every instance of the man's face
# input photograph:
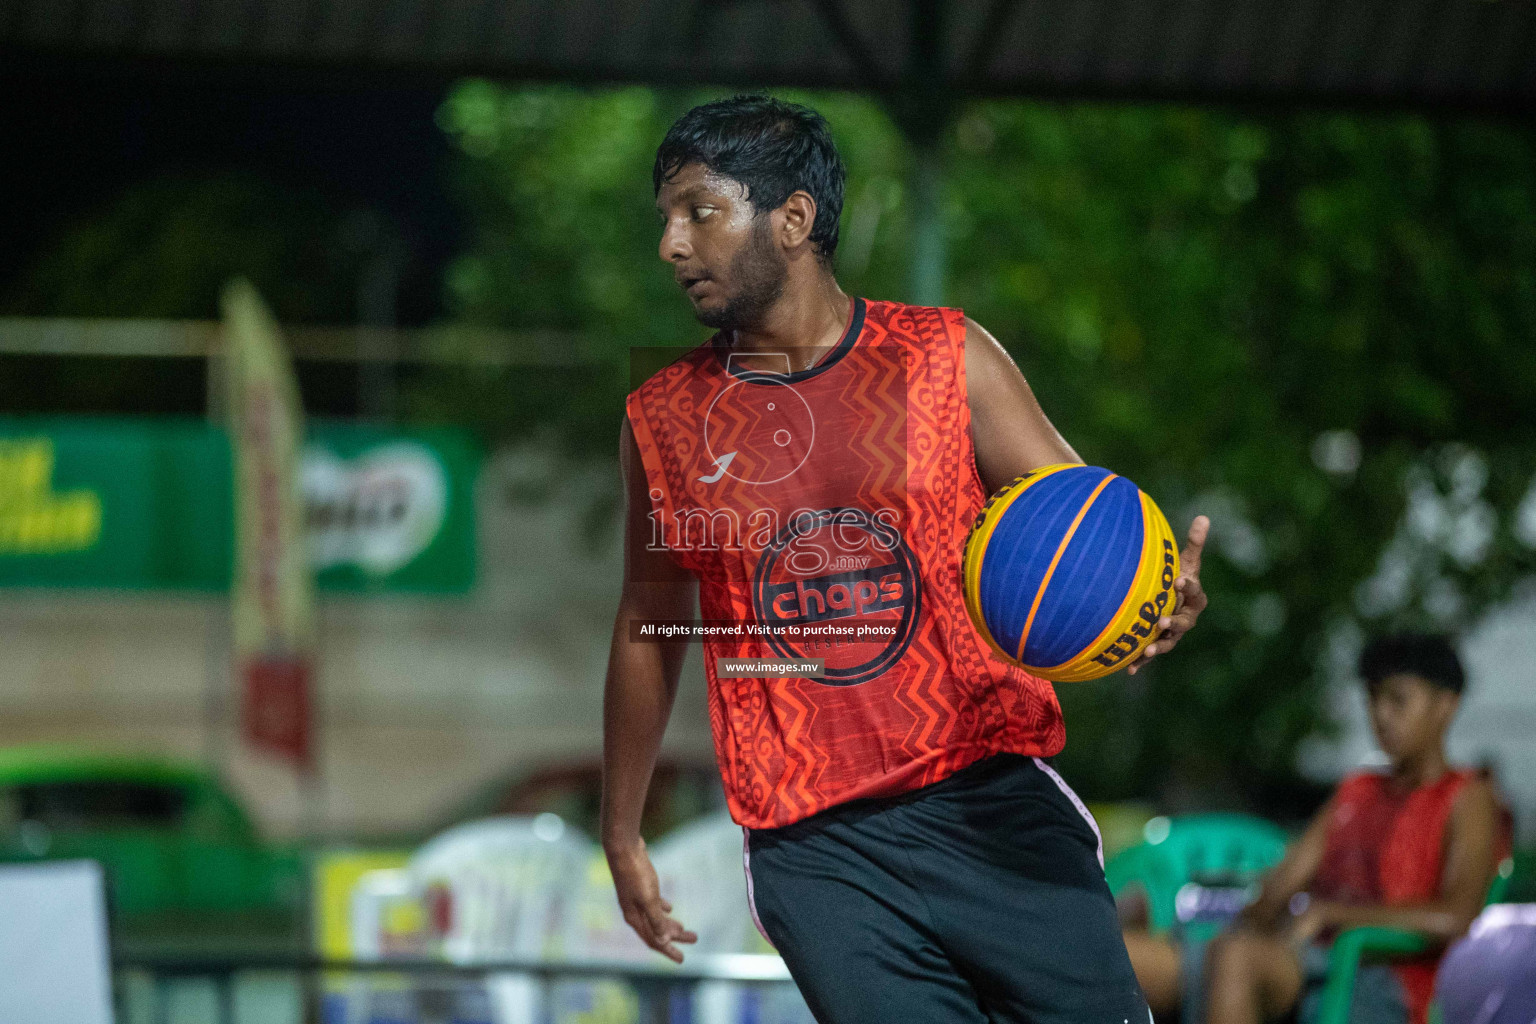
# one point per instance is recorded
(723, 254)
(1409, 715)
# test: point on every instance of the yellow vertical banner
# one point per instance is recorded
(272, 597)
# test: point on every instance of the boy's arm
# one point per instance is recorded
(1011, 435)
(1010, 432)
(637, 701)
(1470, 851)
(1292, 875)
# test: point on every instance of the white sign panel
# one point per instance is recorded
(54, 965)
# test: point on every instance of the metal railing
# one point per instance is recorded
(656, 986)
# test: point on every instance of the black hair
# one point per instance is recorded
(771, 147)
(1427, 655)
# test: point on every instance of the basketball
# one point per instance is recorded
(1489, 977)
(1067, 570)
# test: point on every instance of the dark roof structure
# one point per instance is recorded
(1458, 54)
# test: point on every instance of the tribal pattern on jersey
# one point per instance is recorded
(836, 499)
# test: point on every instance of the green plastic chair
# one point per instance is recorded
(1176, 851)
(1354, 945)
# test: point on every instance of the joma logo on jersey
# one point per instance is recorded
(878, 584)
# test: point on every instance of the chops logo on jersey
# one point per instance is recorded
(848, 580)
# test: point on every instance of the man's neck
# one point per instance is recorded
(1420, 771)
(808, 319)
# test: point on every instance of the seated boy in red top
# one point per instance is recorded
(1414, 846)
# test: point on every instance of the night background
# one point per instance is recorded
(1276, 266)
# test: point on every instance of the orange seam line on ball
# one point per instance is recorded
(981, 538)
(1149, 538)
(1051, 570)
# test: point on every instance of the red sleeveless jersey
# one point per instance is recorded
(1387, 847)
(831, 505)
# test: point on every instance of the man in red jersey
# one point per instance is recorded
(810, 475)
(1412, 847)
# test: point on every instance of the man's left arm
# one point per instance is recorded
(1011, 436)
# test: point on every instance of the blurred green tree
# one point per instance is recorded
(1314, 327)
(165, 248)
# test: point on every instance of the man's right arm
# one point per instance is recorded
(637, 701)
(1292, 875)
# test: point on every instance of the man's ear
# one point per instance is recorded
(798, 217)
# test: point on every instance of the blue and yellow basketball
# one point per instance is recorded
(1067, 570)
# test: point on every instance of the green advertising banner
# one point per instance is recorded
(147, 504)
(114, 504)
(390, 510)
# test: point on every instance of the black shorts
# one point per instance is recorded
(979, 898)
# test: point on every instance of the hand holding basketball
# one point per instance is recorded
(1191, 600)
(1068, 571)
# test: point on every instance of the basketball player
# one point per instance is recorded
(816, 465)
(1412, 847)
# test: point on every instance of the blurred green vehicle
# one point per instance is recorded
(172, 841)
